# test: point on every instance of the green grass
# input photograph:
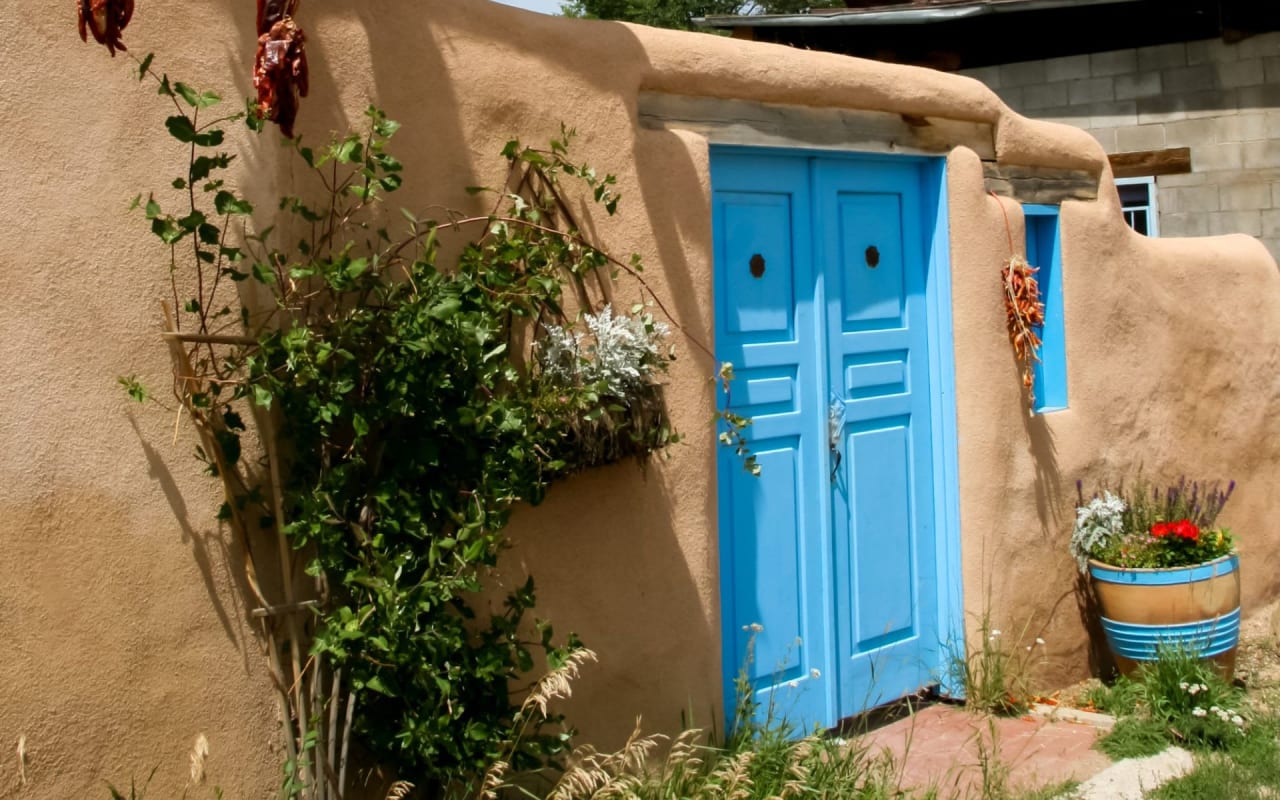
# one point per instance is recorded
(1247, 770)
(1179, 700)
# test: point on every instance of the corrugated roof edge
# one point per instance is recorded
(906, 15)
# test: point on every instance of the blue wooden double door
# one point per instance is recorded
(829, 578)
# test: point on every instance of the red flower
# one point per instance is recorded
(1182, 529)
(1186, 529)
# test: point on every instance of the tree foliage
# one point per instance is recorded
(680, 13)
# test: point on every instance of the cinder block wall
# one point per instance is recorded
(1221, 100)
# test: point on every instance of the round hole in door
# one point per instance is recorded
(757, 266)
(873, 257)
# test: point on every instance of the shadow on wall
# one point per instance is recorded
(210, 550)
(1043, 448)
(609, 567)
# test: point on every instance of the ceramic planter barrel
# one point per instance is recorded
(1196, 607)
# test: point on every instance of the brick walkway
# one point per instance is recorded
(941, 746)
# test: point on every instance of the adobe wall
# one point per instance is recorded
(127, 634)
(1220, 100)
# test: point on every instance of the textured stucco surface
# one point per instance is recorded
(127, 635)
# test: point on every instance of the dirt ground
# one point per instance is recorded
(1257, 662)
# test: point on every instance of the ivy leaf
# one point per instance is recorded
(227, 203)
(375, 683)
(262, 395)
(202, 166)
(187, 93)
(446, 308)
(357, 267)
(134, 388)
(167, 229)
(181, 128)
(191, 222)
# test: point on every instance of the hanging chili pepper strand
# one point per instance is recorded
(280, 67)
(1024, 309)
(105, 19)
(1024, 312)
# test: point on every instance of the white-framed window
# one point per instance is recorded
(1138, 201)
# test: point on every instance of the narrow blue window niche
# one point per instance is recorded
(1044, 250)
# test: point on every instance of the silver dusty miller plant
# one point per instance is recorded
(1098, 522)
(618, 353)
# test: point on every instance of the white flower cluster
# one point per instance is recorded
(1224, 714)
(621, 352)
(1096, 523)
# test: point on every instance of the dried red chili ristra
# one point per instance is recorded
(1024, 312)
(105, 19)
(280, 72)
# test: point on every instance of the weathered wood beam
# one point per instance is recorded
(1146, 163)
(773, 125)
(1040, 185)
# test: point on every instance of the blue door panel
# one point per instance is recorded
(871, 296)
(874, 374)
(880, 477)
(828, 558)
(776, 606)
(761, 537)
(758, 226)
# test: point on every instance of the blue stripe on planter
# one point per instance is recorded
(1209, 637)
(1165, 577)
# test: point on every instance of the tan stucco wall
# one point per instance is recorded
(126, 634)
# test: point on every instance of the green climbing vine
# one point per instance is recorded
(405, 407)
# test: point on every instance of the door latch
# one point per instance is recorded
(835, 424)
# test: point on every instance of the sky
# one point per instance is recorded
(545, 6)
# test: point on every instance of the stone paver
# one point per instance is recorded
(1132, 778)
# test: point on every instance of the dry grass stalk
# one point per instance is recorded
(556, 684)
(399, 790)
(733, 777)
(493, 780)
(22, 759)
(199, 752)
(596, 775)
(797, 772)
(683, 755)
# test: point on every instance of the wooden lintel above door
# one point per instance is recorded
(1040, 185)
(751, 123)
(1149, 163)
